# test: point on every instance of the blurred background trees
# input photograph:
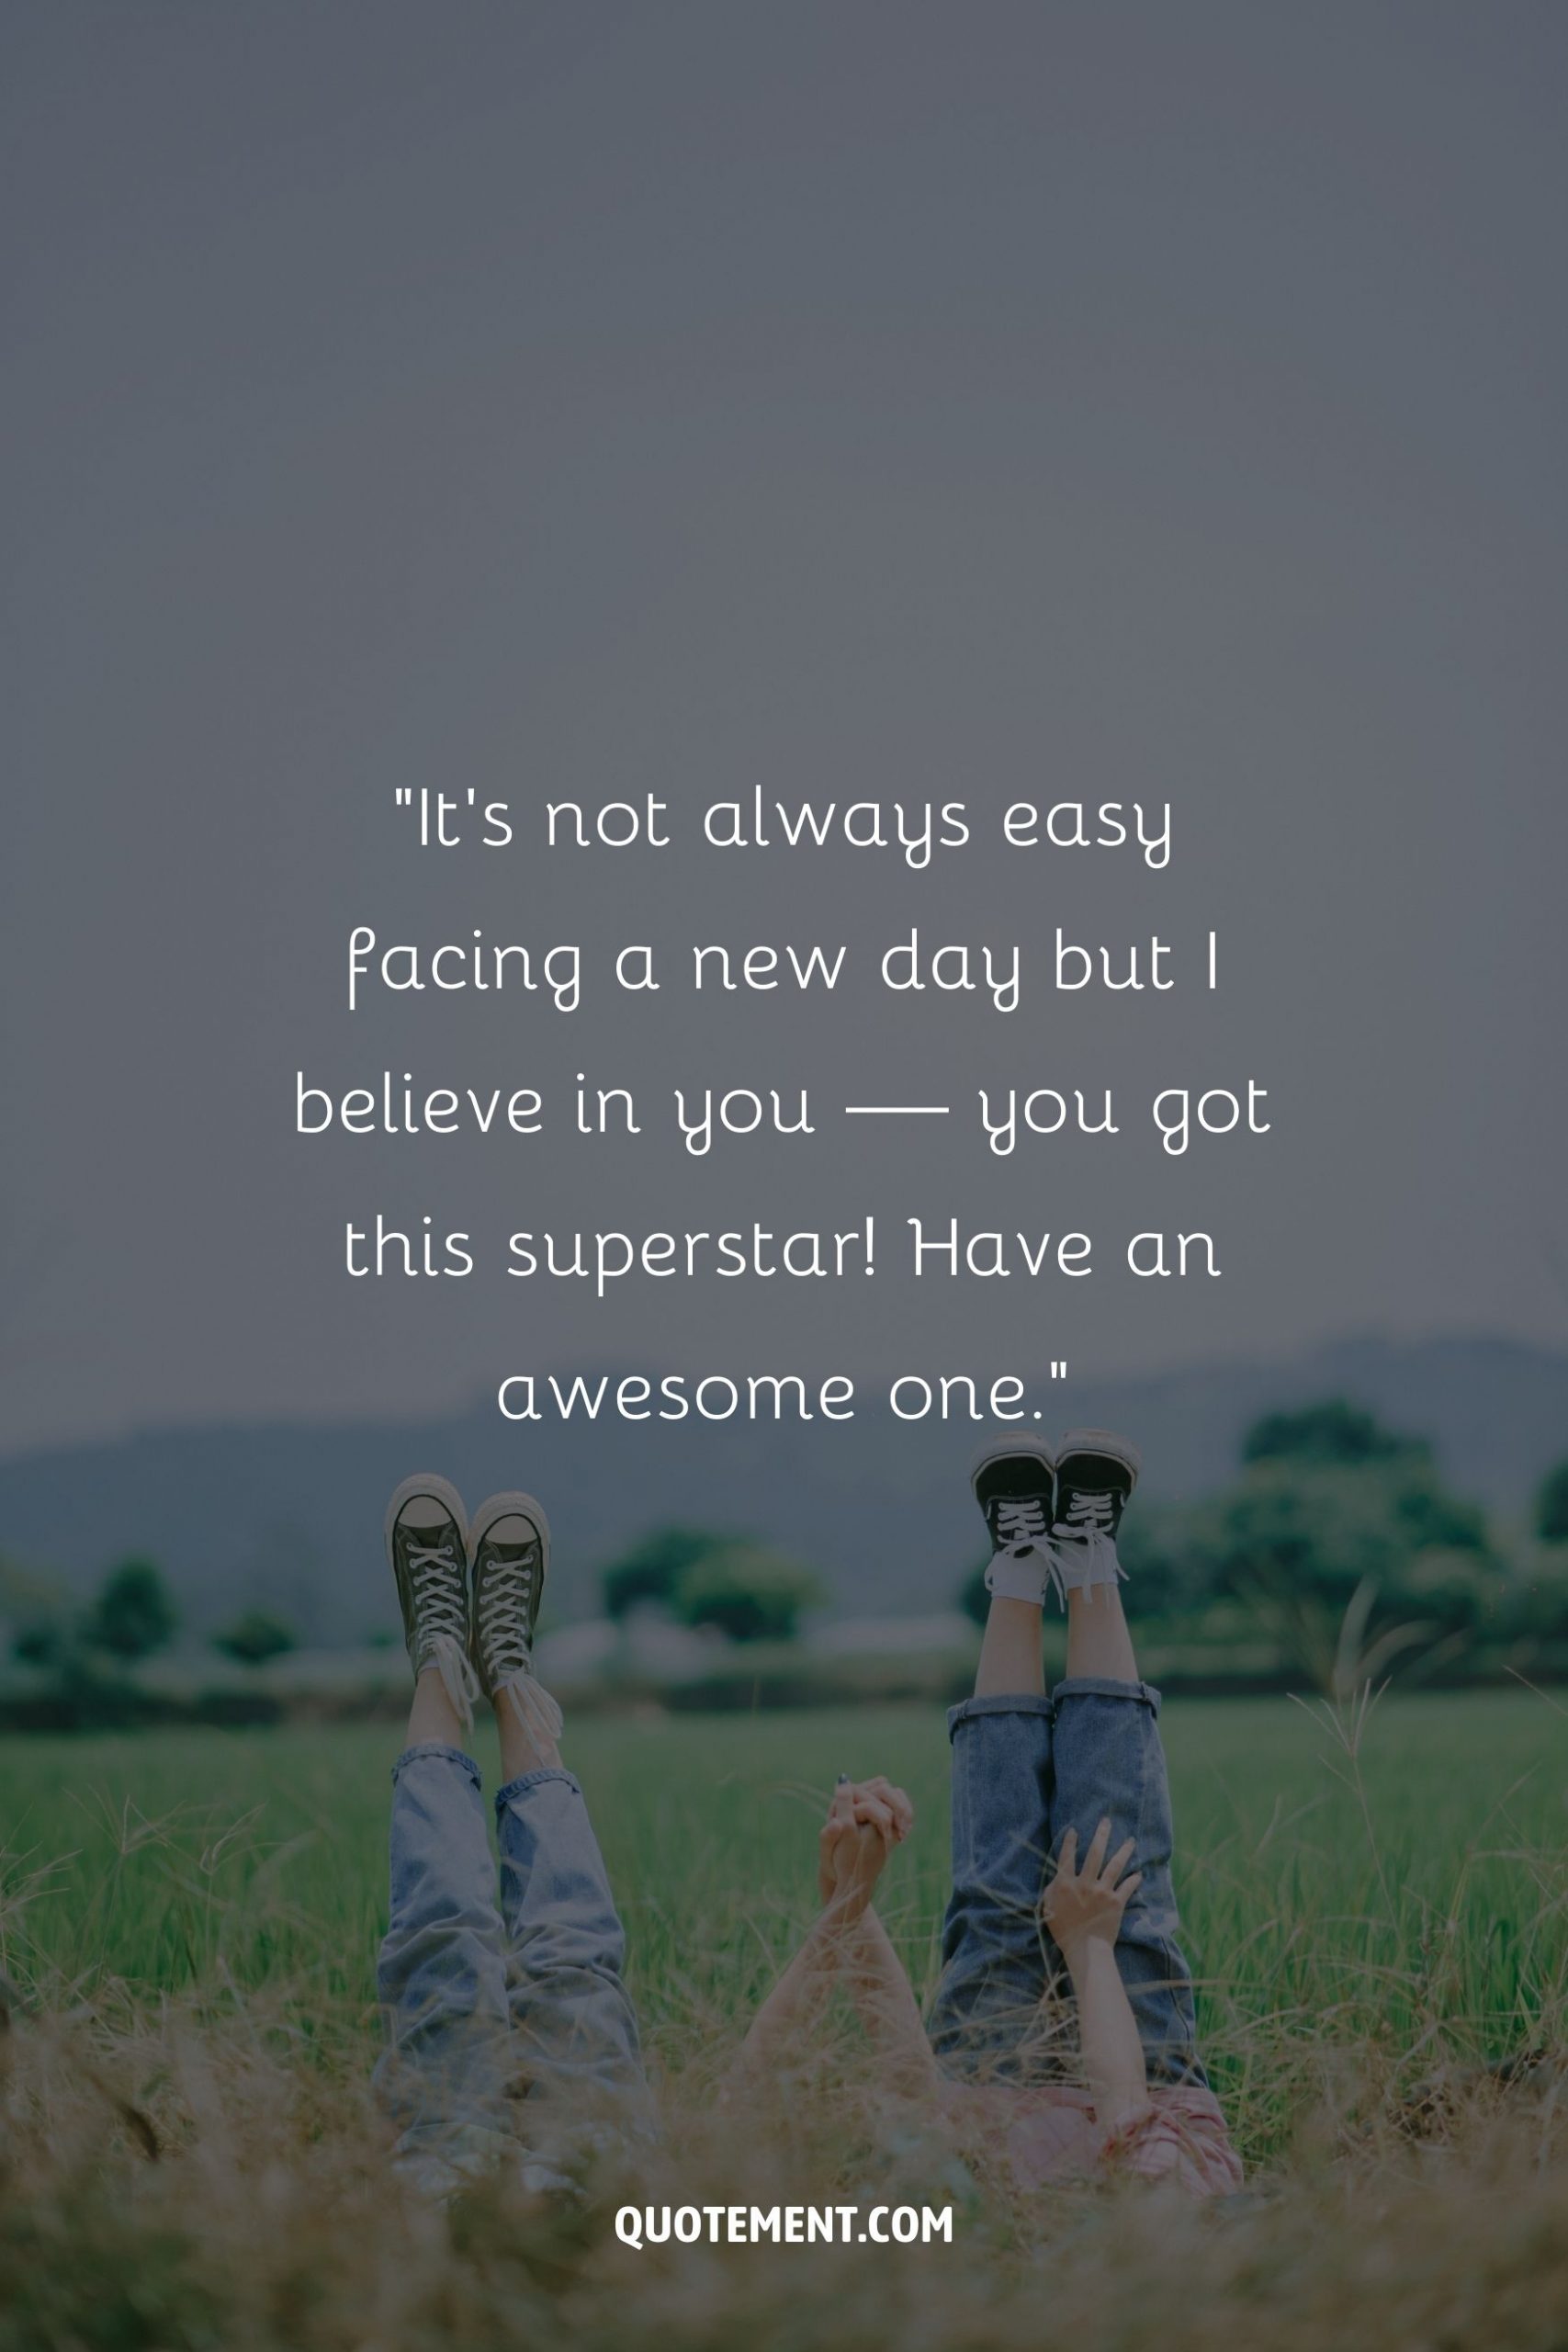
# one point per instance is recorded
(1337, 1551)
(647, 1576)
(133, 1614)
(739, 1587)
(256, 1637)
(88, 1655)
(1337, 1520)
(1551, 1507)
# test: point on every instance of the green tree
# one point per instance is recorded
(1551, 1507)
(1373, 1552)
(133, 1614)
(1324, 1530)
(256, 1637)
(43, 1642)
(34, 1610)
(654, 1567)
(1453, 1590)
(1431, 1518)
(1163, 1548)
(747, 1592)
(1331, 1431)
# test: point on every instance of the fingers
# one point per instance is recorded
(865, 1820)
(834, 1835)
(872, 1813)
(881, 1790)
(875, 1801)
(1130, 1886)
(1096, 1869)
(898, 1801)
(1119, 1861)
(869, 1853)
(841, 1817)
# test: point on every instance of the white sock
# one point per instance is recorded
(1021, 1572)
(1083, 1562)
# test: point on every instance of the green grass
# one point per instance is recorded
(1406, 1898)
(1375, 1909)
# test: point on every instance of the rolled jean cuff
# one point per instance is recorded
(437, 1749)
(1001, 1702)
(527, 1781)
(1101, 1686)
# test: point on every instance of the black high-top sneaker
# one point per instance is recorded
(426, 1533)
(509, 1555)
(1013, 1476)
(1096, 1471)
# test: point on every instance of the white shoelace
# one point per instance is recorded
(503, 1646)
(435, 1581)
(1021, 1563)
(1083, 1550)
(1020, 1519)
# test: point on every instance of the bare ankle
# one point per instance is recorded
(1099, 1642)
(1011, 1659)
(522, 1751)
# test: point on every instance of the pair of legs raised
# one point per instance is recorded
(1028, 1768)
(511, 2016)
(507, 2016)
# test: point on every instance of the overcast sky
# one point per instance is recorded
(973, 403)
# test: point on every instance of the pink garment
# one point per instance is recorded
(1051, 2132)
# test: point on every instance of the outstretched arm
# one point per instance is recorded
(1083, 1910)
(799, 1996)
(884, 1998)
(865, 1821)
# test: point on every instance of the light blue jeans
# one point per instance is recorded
(1025, 1770)
(504, 2024)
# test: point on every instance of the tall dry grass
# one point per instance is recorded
(190, 2156)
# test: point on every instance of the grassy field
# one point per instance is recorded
(1375, 1909)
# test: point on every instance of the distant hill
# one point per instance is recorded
(293, 1514)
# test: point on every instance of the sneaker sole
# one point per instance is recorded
(1107, 1442)
(997, 1448)
(425, 1483)
(513, 1505)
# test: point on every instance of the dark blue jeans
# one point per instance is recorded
(1025, 1770)
(506, 2021)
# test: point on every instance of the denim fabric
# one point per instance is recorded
(996, 1964)
(574, 2026)
(1026, 1769)
(501, 2024)
(1108, 1758)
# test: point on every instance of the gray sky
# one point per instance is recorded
(975, 403)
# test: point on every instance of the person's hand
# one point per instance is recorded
(865, 1820)
(1083, 1908)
